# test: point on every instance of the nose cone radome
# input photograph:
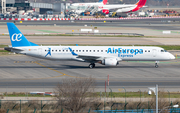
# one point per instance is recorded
(172, 56)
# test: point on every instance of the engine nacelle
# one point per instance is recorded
(110, 62)
(105, 11)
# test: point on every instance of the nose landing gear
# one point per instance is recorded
(156, 64)
(92, 65)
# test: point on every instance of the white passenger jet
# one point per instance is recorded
(122, 8)
(101, 2)
(106, 55)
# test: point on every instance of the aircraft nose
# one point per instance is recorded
(172, 56)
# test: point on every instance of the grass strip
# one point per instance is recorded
(109, 95)
(138, 94)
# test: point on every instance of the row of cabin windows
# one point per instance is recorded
(91, 51)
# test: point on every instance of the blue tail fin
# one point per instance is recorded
(100, 1)
(17, 38)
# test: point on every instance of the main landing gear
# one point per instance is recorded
(92, 65)
(156, 64)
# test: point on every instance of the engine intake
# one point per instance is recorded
(110, 62)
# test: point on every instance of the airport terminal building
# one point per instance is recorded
(14, 6)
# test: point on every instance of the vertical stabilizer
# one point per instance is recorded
(105, 2)
(17, 38)
(100, 1)
(141, 3)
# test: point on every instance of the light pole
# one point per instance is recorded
(155, 90)
(125, 94)
(156, 98)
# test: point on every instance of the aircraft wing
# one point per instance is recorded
(90, 58)
(86, 57)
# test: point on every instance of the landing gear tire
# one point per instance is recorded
(156, 65)
(92, 65)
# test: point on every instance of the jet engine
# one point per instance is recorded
(105, 11)
(110, 62)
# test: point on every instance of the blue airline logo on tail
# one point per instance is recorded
(16, 37)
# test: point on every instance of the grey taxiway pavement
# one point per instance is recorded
(23, 73)
(155, 23)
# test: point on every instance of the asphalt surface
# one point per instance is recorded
(157, 23)
(23, 73)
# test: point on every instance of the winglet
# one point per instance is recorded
(73, 52)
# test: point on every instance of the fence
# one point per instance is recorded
(52, 106)
(176, 110)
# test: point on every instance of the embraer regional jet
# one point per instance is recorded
(106, 55)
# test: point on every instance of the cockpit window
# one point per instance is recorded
(162, 50)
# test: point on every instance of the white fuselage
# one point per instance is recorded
(87, 4)
(124, 53)
(118, 8)
(121, 8)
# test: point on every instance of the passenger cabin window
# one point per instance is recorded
(97, 50)
(148, 50)
(66, 50)
(101, 50)
(76, 50)
(106, 50)
(94, 50)
(56, 50)
(89, 50)
(59, 50)
(86, 50)
(83, 50)
(79, 50)
(145, 50)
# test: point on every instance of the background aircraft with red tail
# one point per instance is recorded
(122, 8)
